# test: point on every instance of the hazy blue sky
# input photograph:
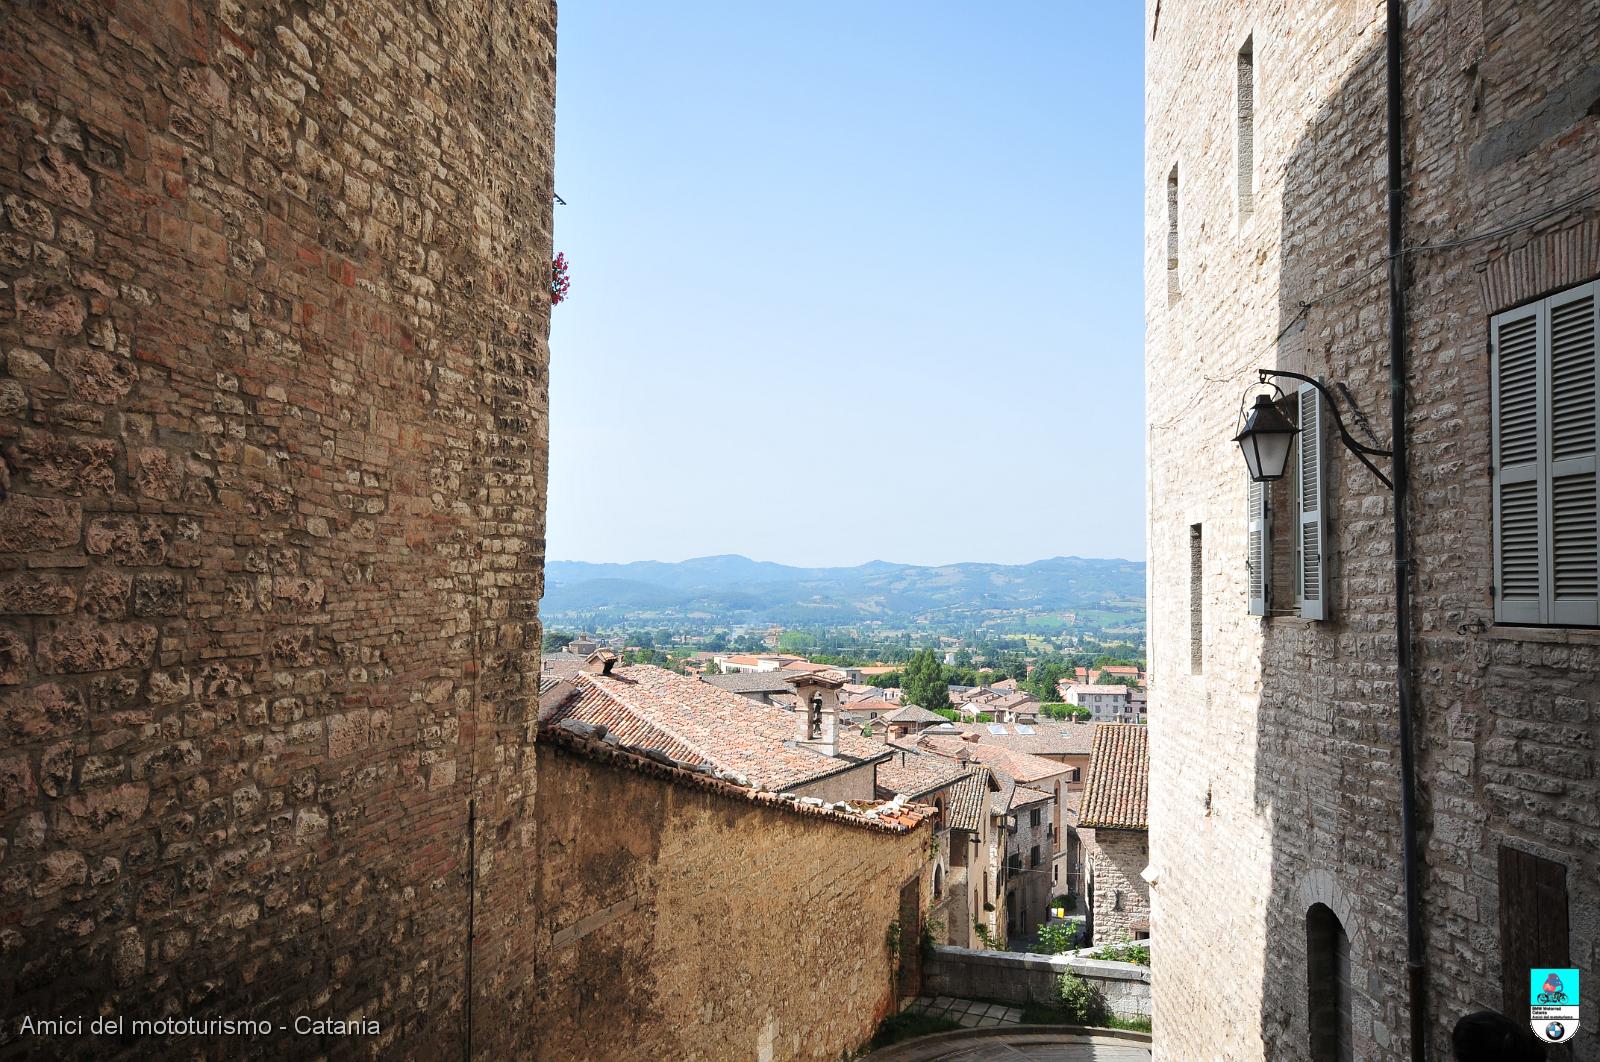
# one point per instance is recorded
(850, 280)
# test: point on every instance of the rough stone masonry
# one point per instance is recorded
(273, 319)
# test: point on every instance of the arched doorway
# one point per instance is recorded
(1328, 985)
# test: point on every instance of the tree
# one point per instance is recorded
(923, 682)
(554, 642)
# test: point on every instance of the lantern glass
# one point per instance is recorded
(1265, 441)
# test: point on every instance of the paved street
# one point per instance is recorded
(1020, 1044)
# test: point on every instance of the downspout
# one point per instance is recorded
(1416, 985)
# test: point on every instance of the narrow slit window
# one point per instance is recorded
(1247, 128)
(1196, 588)
(1172, 235)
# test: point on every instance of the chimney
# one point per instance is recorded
(974, 738)
(600, 662)
(817, 715)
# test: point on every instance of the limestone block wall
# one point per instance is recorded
(678, 922)
(1117, 859)
(1017, 977)
(1274, 769)
(273, 397)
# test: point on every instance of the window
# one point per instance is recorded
(1116, 904)
(1247, 128)
(1311, 576)
(1172, 236)
(1542, 372)
(1328, 986)
(1033, 856)
(1033, 818)
(1533, 922)
(1196, 587)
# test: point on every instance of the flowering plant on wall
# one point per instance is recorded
(559, 282)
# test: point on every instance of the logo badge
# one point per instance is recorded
(1553, 1004)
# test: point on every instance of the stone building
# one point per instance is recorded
(273, 411)
(273, 408)
(1114, 824)
(1275, 748)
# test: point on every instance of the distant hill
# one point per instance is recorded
(1059, 593)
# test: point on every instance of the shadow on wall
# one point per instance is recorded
(1327, 763)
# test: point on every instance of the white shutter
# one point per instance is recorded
(1521, 527)
(1256, 550)
(1312, 569)
(1574, 580)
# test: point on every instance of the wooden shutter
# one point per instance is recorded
(1534, 931)
(1313, 582)
(1520, 527)
(1574, 551)
(1256, 559)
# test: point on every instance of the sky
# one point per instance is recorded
(851, 281)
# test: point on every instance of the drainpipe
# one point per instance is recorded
(1415, 974)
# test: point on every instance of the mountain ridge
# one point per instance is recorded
(732, 589)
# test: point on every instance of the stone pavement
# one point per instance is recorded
(971, 1014)
(1021, 1043)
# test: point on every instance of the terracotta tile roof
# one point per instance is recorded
(805, 665)
(1121, 669)
(896, 817)
(969, 801)
(1078, 688)
(751, 682)
(874, 704)
(1015, 765)
(1049, 738)
(914, 775)
(910, 713)
(1115, 794)
(1023, 797)
(742, 660)
(560, 665)
(1016, 700)
(696, 722)
(877, 670)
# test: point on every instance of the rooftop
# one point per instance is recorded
(892, 816)
(1115, 795)
(969, 800)
(1114, 689)
(1044, 738)
(751, 682)
(914, 775)
(699, 724)
(1018, 766)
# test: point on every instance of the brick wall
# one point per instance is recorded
(273, 332)
(1274, 772)
(678, 922)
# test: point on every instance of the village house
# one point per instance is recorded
(1114, 823)
(1024, 778)
(1373, 229)
(974, 912)
(767, 687)
(1106, 704)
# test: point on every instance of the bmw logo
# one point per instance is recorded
(1555, 1031)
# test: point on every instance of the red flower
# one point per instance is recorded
(560, 283)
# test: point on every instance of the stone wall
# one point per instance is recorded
(1274, 774)
(1016, 977)
(274, 399)
(1117, 860)
(690, 923)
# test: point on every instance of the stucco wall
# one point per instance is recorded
(678, 923)
(274, 329)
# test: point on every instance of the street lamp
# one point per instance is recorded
(1267, 433)
(1265, 440)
